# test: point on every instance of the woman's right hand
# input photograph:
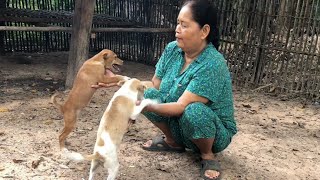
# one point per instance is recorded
(103, 85)
(145, 109)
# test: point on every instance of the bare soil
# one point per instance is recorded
(278, 136)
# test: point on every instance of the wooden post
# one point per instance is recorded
(259, 66)
(2, 51)
(79, 46)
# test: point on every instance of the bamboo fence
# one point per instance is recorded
(269, 45)
(273, 44)
(136, 30)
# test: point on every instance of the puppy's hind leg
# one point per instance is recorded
(94, 165)
(113, 169)
(69, 124)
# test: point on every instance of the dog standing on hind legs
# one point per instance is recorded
(97, 69)
(113, 125)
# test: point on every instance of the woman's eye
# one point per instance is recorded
(183, 25)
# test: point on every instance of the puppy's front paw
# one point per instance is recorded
(126, 78)
(122, 80)
(146, 102)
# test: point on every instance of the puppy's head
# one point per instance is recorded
(111, 61)
(137, 86)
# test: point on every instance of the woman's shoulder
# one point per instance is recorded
(172, 45)
(215, 61)
(214, 57)
(171, 51)
(168, 56)
(215, 53)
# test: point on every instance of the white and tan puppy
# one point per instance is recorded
(113, 125)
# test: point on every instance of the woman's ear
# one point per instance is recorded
(205, 30)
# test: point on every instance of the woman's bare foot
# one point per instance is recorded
(170, 143)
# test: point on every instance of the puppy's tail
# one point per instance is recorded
(79, 157)
(55, 102)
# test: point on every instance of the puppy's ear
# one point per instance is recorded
(105, 55)
(120, 83)
(148, 84)
(142, 87)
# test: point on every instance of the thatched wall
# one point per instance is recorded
(270, 45)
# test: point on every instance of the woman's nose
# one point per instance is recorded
(177, 29)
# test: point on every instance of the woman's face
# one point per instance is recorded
(189, 35)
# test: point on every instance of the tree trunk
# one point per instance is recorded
(79, 46)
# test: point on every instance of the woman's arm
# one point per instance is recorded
(154, 83)
(176, 108)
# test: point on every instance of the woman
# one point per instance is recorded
(193, 84)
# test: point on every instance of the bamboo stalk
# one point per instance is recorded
(275, 48)
(68, 29)
(223, 29)
(28, 41)
(2, 34)
(250, 40)
(236, 47)
(283, 78)
(314, 83)
(296, 76)
(19, 41)
(229, 46)
(307, 64)
(277, 65)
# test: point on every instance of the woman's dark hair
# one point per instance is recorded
(203, 12)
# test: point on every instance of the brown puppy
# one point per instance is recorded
(92, 72)
(113, 125)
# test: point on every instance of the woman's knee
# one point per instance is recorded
(197, 116)
(197, 110)
(153, 117)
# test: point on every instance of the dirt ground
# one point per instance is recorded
(278, 136)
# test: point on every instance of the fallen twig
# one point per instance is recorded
(262, 87)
